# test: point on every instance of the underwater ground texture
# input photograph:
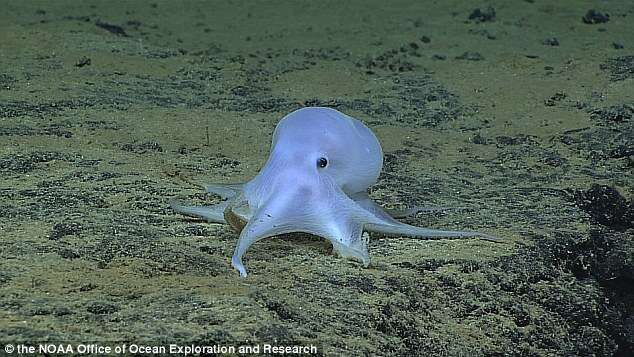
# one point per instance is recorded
(517, 113)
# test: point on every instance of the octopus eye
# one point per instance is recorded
(322, 162)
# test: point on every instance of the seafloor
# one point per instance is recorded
(519, 114)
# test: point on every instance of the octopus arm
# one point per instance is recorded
(225, 190)
(332, 215)
(213, 214)
(403, 229)
(383, 222)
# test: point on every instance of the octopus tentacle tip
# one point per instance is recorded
(237, 264)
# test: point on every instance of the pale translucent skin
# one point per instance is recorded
(292, 193)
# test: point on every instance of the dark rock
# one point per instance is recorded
(479, 139)
(606, 206)
(595, 17)
(553, 41)
(620, 68)
(391, 60)
(64, 229)
(554, 99)
(483, 16)
(102, 308)
(149, 146)
(614, 114)
(84, 61)
(22, 163)
(621, 152)
(471, 56)
(68, 254)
